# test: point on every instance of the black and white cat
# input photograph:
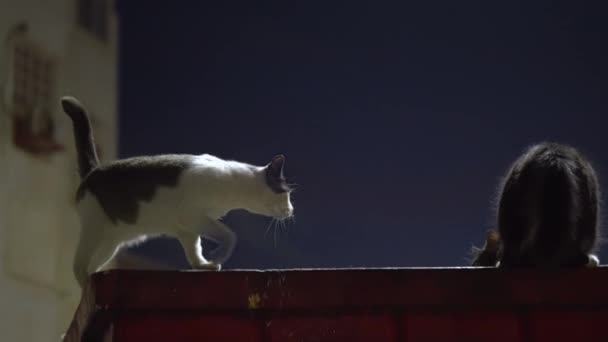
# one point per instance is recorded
(183, 196)
(548, 212)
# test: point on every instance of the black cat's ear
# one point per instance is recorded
(274, 175)
(275, 167)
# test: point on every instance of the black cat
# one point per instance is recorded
(548, 212)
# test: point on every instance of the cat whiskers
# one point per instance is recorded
(276, 228)
(280, 229)
(292, 187)
(272, 221)
(287, 224)
(292, 222)
(279, 226)
(274, 225)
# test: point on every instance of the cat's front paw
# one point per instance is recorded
(593, 261)
(210, 266)
(220, 255)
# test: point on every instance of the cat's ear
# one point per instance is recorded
(275, 167)
(274, 175)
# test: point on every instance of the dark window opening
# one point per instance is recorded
(93, 17)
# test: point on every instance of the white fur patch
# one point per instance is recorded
(594, 261)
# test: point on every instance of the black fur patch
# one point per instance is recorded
(120, 185)
(549, 209)
(489, 255)
(274, 175)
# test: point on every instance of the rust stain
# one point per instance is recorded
(253, 301)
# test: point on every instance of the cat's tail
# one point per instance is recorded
(83, 135)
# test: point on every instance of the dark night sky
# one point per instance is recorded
(397, 119)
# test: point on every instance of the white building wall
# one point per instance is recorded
(38, 223)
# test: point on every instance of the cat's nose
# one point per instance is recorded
(285, 213)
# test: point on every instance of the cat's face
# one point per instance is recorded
(275, 198)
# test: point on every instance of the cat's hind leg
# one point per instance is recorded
(224, 237)
(191, 243)
(102, 254)
(92, 252)
(82, 257)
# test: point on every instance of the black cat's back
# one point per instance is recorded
(548, 209)
(121, 185)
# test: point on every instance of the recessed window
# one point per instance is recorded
(93, 17)
(34, 74)
(32, 99)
